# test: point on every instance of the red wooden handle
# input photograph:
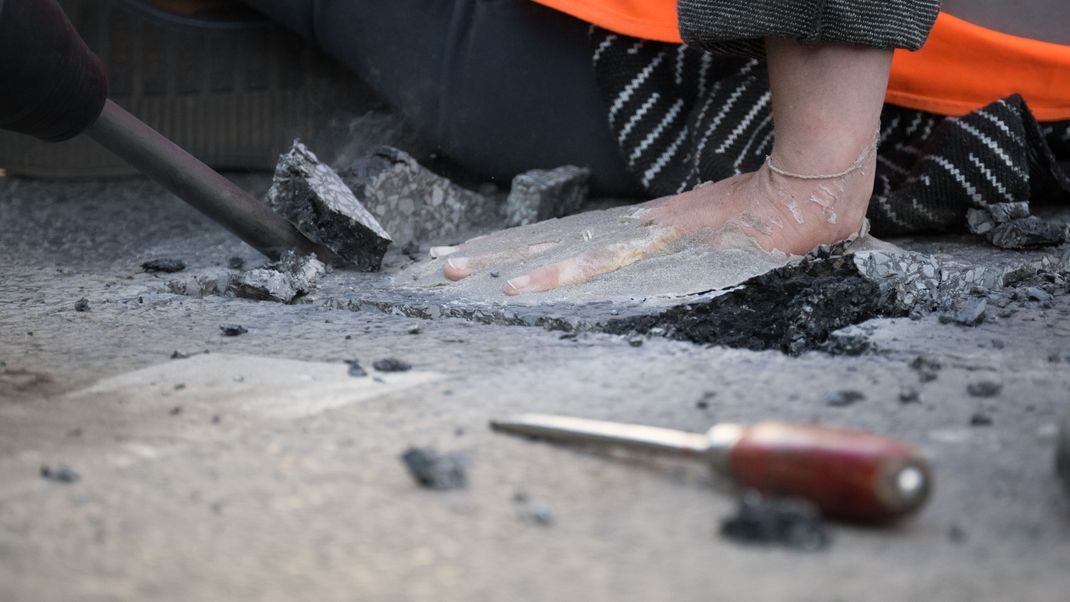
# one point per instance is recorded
(848, 474)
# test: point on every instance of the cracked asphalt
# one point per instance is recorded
(271, 474)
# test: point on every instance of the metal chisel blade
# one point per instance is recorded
(581, 430)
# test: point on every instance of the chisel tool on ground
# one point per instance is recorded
(848, 474)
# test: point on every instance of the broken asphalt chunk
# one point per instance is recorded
(970, 312)
(414, 204)
(312, 197)
(165, 265)
(539, 194)
(767, 520)
(1027, 232)
(436, 471)
(283, 281)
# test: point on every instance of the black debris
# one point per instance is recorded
(168, 266)
(81, 304)
(495, 274)
(909, 395)
(436, 471)
(216, 419)
(980, 419)
(235, 263)
(926, 368)
(232, 330)
(635, 342)
(414, 330)
(839, 399)
(356, 370)
(793, 309)
(180, 386)
(60, 474)
(767, 520)
(312, 197)
(178, 355)
(969, 312)
(539, 195)
(391, 364)
(984, 388)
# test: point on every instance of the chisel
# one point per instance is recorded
(848, 474)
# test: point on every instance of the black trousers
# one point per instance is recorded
(499, 86)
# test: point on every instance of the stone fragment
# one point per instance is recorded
(436, 471)
(81, 305)
(979, 221)
(980, 419)
(414, 204)
(283, 281)
(1037, 294)
(539, 194)
(235, 263)
(1027, 232)
(984, 388)
(166, 265)
(232, 330)
(391, 364)
(927, 368)
(840, 399)
(909, 395)
(970, 312)
(213, 281)
(60, 474)
(312, 197)
(355, 369)
(764, 520)
(1005, 212)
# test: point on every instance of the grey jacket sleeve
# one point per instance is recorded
(718, 24)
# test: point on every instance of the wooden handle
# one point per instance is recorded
(849, 474)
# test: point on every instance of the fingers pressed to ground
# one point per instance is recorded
(585, 266)
(457, 268)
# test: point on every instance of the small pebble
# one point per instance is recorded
(168, 266)
(980, 419)
(434, 470)
(909, 395)
(984, 388)
(81, 304)
(355, 369)
(233, 330)
(391, 364)
(839, 399)
(60, 474)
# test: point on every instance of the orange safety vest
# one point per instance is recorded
(961, 68)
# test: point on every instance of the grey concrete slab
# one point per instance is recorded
(179, 506)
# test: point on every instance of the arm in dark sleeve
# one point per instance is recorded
(715, 24)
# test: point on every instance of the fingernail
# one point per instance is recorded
(457, 263)
(517, 284)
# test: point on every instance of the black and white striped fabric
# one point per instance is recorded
(682, 116)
